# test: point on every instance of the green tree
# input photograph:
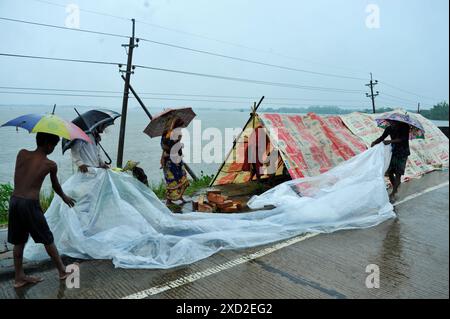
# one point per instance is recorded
(438, 112)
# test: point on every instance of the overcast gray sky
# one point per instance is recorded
(408, 50)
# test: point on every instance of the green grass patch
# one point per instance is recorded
(159, 189)
(202, 182)
(45, 199)
(6, 191)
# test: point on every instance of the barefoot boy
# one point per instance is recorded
(25, 214)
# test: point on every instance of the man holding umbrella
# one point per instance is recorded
(401, 128)
(84, 154)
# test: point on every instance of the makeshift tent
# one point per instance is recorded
(309, 145)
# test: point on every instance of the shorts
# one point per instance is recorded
(398, 164)
(26, 218)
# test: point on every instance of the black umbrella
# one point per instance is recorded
(89, 121)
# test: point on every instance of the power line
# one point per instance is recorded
(399, 98)
(105, 96)
(163, 99)
(409, 106)
(60, 94)
(393, 99)
(63, 28)
(84, 10)
(197, 50)
(188, 49)
(243, 46)
(203, 37)
(55, 89)
(252, 61)
(228, 78)
(247, 98)
(232, 44)
(406, 91)
(389, 100)
(58, 59)
(390, 103)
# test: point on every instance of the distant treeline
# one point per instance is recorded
(438, 112)
(310, 109)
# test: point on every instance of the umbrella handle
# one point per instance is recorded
(109, 158)
(17, 127)
(98, 143)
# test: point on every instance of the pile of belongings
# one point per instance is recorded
(216, 202)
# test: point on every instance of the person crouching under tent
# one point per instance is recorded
(172, 163)
(85, 155)
(399, 133)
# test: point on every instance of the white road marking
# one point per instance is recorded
(407, 198)
(213, 270)
(216, 269)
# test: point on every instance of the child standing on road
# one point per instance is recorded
(25, 213)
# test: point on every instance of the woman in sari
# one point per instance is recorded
(172, 163)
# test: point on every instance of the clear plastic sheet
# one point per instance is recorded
(118, 218)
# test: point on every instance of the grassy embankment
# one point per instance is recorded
(47, 197)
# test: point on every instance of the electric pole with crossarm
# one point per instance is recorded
(126, 89)
(372, 95)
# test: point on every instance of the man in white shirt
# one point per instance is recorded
(85, 154)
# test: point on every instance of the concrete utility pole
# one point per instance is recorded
(186, 166)
(372, 95)
(126, 89)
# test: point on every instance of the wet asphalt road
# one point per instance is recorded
(411, 253)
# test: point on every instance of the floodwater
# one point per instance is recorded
(138, 146)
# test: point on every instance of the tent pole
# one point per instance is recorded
(252, 115)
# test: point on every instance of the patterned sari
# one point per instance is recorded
(174, 173)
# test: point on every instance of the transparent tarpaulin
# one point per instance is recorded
(118, 218)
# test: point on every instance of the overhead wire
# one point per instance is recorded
(203, 52)
(271, 52)
(63, 28)
(190, 50)
(178, 94)
(215, 76)
(58, 59)
(164, 99)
